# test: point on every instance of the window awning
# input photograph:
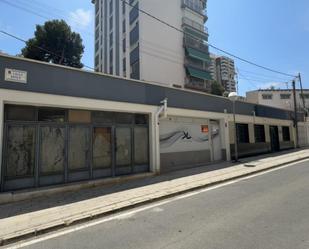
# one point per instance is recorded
(194, 53)
(199, 73)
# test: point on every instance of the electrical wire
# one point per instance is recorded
(154, 47)
(39, 47)
(209, 44)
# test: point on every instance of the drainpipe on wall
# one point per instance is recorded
(162, 109)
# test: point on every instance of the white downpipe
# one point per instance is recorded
(162, 109)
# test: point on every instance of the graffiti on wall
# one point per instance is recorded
(184, 136)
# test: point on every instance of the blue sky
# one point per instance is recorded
(273, 33)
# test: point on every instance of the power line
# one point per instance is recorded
(173, 58)
(262, 75)
(210, 45)
(39, 47)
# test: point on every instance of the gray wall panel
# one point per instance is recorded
(44, 78)
(183, 160)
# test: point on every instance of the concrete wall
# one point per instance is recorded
(276, 101)
(162, 52)
(253, 148)
(183, 144)
(58, 80)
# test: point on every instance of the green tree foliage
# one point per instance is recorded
(56, 43)
(217, 89)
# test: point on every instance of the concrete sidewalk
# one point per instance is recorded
(21, 219)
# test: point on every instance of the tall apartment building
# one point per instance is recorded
(133, 45)
(213, 67)
(223, 71)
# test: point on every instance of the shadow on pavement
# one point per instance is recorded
(13, 209)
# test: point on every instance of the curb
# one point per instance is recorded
(21, 195)
(88, 217)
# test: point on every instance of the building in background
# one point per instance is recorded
(226, 73)
(212, 67)
(133, 45)
(223, 72)
(280, 98)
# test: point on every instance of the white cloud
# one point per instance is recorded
(80, 18)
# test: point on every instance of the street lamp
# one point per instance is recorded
(233, 97)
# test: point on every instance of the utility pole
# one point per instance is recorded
(302, 95)
(295, 114)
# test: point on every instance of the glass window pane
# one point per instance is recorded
(22, 113)
(52, 150)
(141, 119)
(103, 117)
(52, 115)
(102, 148)
(123, 146)
(20, 151)
(124, 118)
(141, 145)
(79, 147)
(76, 116)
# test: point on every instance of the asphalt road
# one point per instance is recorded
(267, 211)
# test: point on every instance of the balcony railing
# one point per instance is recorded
(195, 64)
(196, 6)
(195, 43)
(195, 25)
(197, 85)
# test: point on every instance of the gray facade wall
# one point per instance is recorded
(45, 78)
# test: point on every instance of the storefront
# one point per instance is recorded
(46, 146)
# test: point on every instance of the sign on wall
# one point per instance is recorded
(15, 75)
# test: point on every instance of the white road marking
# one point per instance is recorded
(127, 214)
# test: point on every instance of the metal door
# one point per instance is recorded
(52, 154)
(19, 161)
(102, 151)
(123, 150)
(274, 138)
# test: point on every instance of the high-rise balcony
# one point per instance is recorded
(190, 41)
(196, 6)
(188, 22)
(197, 84)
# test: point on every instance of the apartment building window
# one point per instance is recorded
(267, 96)
(111, 23)
(124, 45)
(111, 7)
(96, 60)
(134, 13)
(286, 133)
(111, 39)
(134, 34)
(305, 95)
(123, 8)
(97, 45)
(124, 26)
(124, 66)
(259, 133)
(97, 20)
(135, 70)
(111, 52)
(285, 96)
(242, 133)
(97, 7)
